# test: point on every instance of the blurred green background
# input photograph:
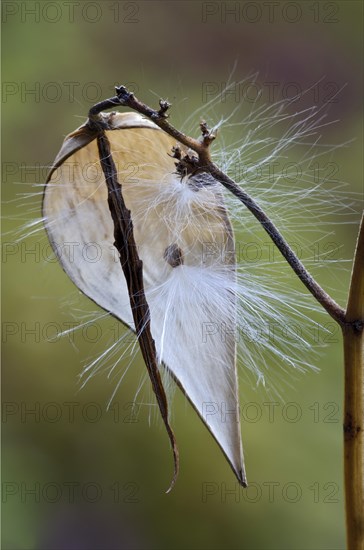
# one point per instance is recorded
(76, 476)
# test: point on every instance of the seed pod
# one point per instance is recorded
(185, 241)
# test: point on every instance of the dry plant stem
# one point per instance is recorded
(353, 336)
(316, 290)
(351, 320)
(204, 163)
(133, 270)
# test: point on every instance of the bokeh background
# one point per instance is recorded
(76, 476)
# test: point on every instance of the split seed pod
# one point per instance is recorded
(179, 223)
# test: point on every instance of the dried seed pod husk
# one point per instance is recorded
(190, 290)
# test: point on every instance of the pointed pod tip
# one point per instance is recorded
(240, 474)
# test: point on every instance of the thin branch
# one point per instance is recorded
(204, 163)
(132, 267)
(128, 99)
(310, 283)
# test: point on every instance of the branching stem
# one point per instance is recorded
(351, 320)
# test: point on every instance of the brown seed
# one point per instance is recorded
(173, 255)
(199, 181)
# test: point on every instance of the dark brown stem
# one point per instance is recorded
(128, 99)
(353, 336)
(132, 267)
(316, 290)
